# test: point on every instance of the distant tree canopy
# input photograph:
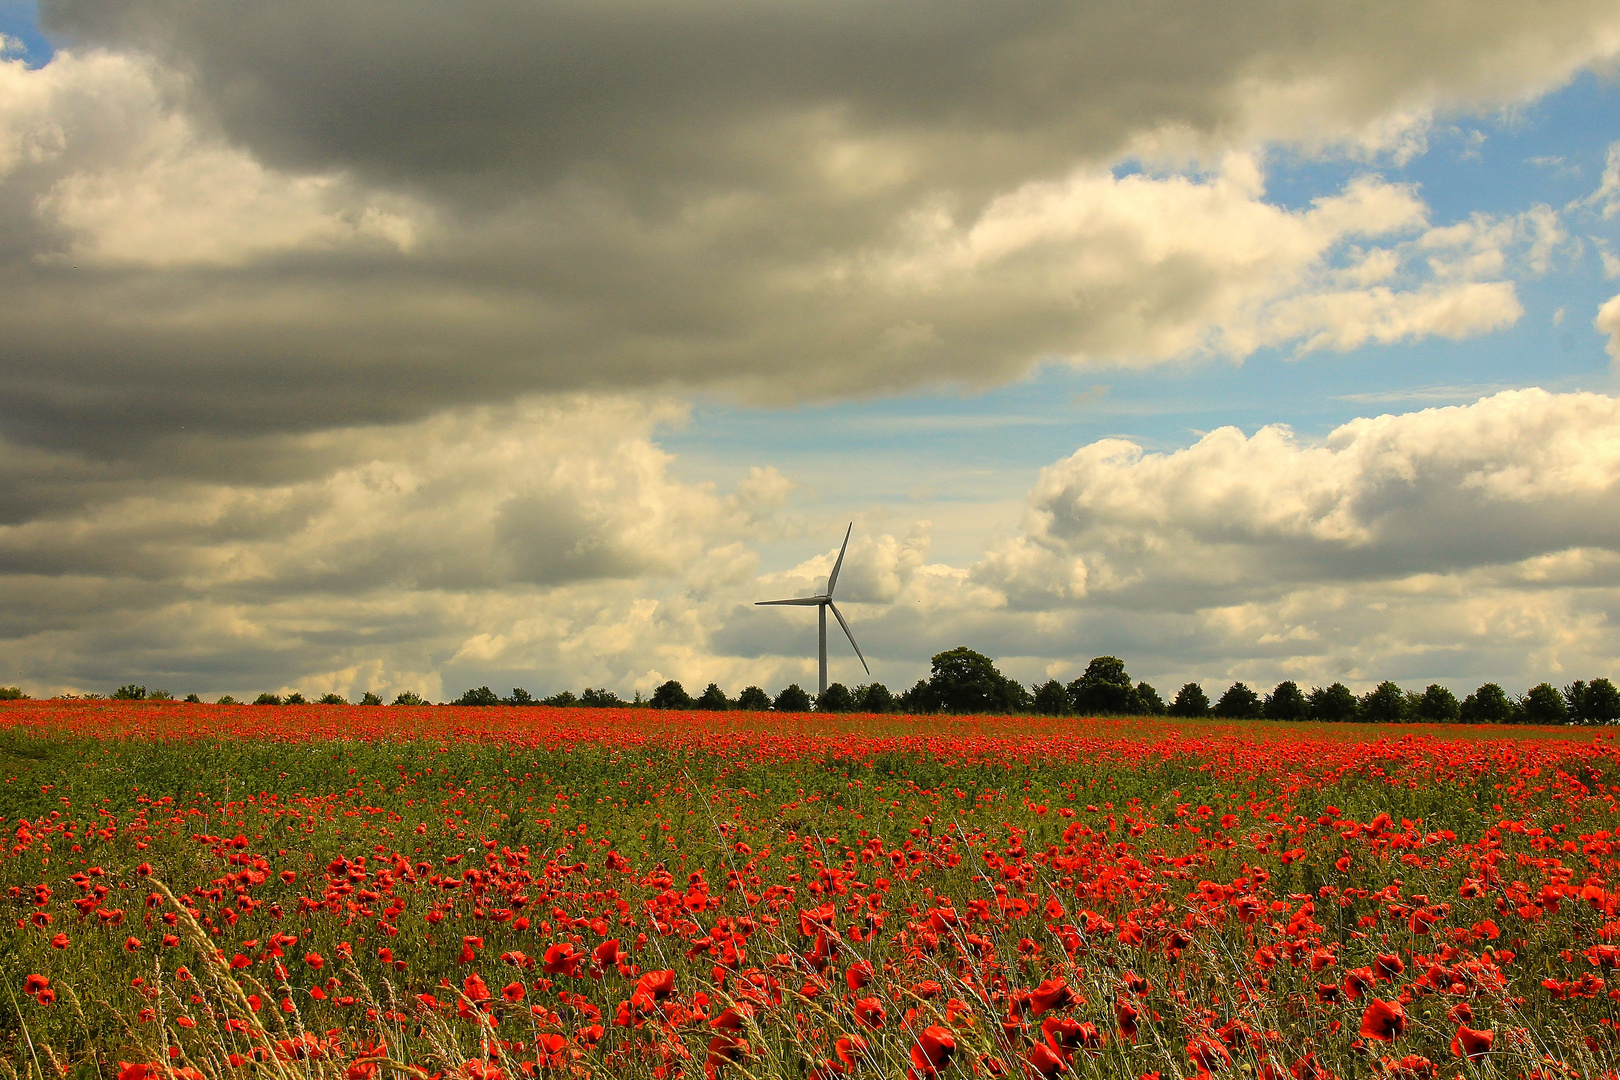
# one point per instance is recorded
(753, 699)
(1333, 704)
(793, 699)
(1190, 701)
(1488, 705)
(1239, 702)
(964, 681)
(671, 695)
(1286, 702)
(1383, 704)
(874, 698)
(835, 699)
(1437, 705)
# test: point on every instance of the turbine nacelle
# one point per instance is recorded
(822, 603)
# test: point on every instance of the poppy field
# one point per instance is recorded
(199, 891)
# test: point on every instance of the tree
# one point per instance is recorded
(562, 699)
(1190, 701)
(603, 699)
(964, 681)
(159, 695)
(1488, 705)
(1438, 705)
(333, 699)
(793, 699)
(1239, 702)
(713, 699)
(1332, 704)
(919, 699)
(482, 697)
(1145, 701)
(671, 695)
(129, 693)
(1544, 705)
(1105, 688)
(753, 699)
(874, 698)
(1602, 702)
(192, 699)
(518, 696)
(1051, 699)
(14, 693)
(836, 699)
(1286, 702)
(408, 697)
(227, 700)
(1384, 704)
(369, 698)
(267, 699)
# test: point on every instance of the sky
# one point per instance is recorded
(349, 346)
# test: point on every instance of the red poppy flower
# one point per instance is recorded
(132, 1070)
(606, 954)
(475, 988)
(132, 944)
(1052, 994)
(1357, 981)
(512, 992)
(1383, 1020)
(932, 1051)
(1207, 1056)
(33, 984)
(1125, 1016)
(1471, 1044)
(314, 960)
(60, 941)
(848, 1048)
(1044, 1061)
(562, 959)
(869, 1013)
(858, 975)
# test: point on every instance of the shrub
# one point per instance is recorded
(369, 698)
(671, 695)
(1052, 699)
(1332, 704)
(159, 695)
(193, 699)
(713, 699)
(563, 699)
(227, 700)
(12, 693)
(130, 692)
(1190, 701)
(753, 699)
(1437, 705)
(333, 699)
(793, 699)
(483, 696)
(602, 699)
(1488, 705)
(1385, 704)
(1145, 701)
(1286, 702)
(408, 697)
(1543, 704)
(836, 699)
(1239, 702)
(267, 699)
(294, 698)
(518, 696)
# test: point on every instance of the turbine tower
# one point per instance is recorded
(821, 604)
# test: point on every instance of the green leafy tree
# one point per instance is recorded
(294, 698)
(1488, 705)
(1105, 688)
(964, 681)
(160, 695)
(369, 698)
(603, 699)
(1544, 705)
(479, 697)
(753, 699)
(12, 693)
(835, 699)
(130, 692)
(713, 699)
(1286, 702)
(193, 699)
(1384, 704)
(1052, 699)
(919, 699)
(518, 696)
(793, 699)
(1438, 705)
(1602, 703)
(874, 698)
(1190, 701)
(562, 699)
(1239, 702)
(333, 699)
(267, 699)
(1332, 704)
(1145, 701)
(408, 697)
(227, 700)
(671, 695)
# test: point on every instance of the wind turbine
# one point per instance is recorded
(821, 604)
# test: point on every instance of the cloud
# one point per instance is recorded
(313, 216)
(1608, 322)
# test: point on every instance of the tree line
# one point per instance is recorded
(964, 681)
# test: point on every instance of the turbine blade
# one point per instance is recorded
(840, 616)
(799, 601)
(832, 579)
